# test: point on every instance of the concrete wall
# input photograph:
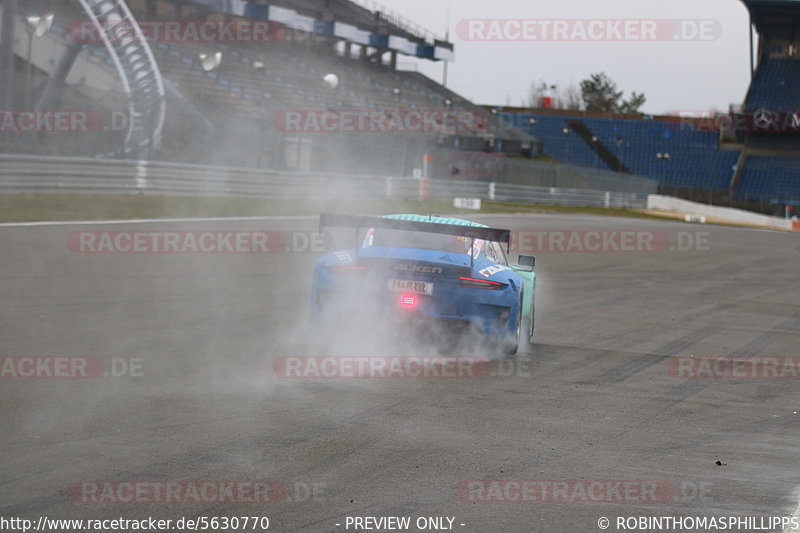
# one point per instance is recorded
(729, 214)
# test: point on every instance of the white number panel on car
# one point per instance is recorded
(407, 285)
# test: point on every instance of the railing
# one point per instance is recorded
(35, 174)
(396, 19)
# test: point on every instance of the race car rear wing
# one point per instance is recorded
(470, 232)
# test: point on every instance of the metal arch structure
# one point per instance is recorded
(138, 71)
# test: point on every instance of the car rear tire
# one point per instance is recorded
(511, 347)
(526, 338)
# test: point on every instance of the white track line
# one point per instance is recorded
(209, 219)
(152, 221)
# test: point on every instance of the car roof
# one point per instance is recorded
(436, 220)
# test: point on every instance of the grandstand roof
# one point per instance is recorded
(775, 19)
(366, 14)
(364, 22)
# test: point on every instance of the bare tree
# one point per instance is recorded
(572, 98)
(537, 91)
(568, 97)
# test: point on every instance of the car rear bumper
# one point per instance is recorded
(462, 312)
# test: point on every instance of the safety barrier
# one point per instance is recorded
(671, 204)
(36, 174)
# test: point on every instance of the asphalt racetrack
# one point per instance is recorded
(613, 413)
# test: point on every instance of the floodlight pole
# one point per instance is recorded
(29, 75)
(752, 65)
(7, 28)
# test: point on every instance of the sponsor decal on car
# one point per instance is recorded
(369, 238)
(420, 269)
(492, 270)
(477, 246)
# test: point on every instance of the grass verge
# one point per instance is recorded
(65, 207)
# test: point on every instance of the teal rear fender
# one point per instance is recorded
(530, 291)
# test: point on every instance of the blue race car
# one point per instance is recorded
(428, 270)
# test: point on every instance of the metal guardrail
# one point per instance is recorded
(396, 19)
(39, 175)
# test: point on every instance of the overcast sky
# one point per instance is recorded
(685, 75)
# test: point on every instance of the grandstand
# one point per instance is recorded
(775, 178)
(677, 153)
(749, 158)
(220, 97)
(775, 85)
(769, 170)
(224, 100)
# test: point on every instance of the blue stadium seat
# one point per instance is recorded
(770, 178)
(776, 85)
(694, 159)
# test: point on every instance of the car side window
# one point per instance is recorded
(491, 252)
(500, 256)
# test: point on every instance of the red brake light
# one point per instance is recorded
(474, 283)
(408, 300)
